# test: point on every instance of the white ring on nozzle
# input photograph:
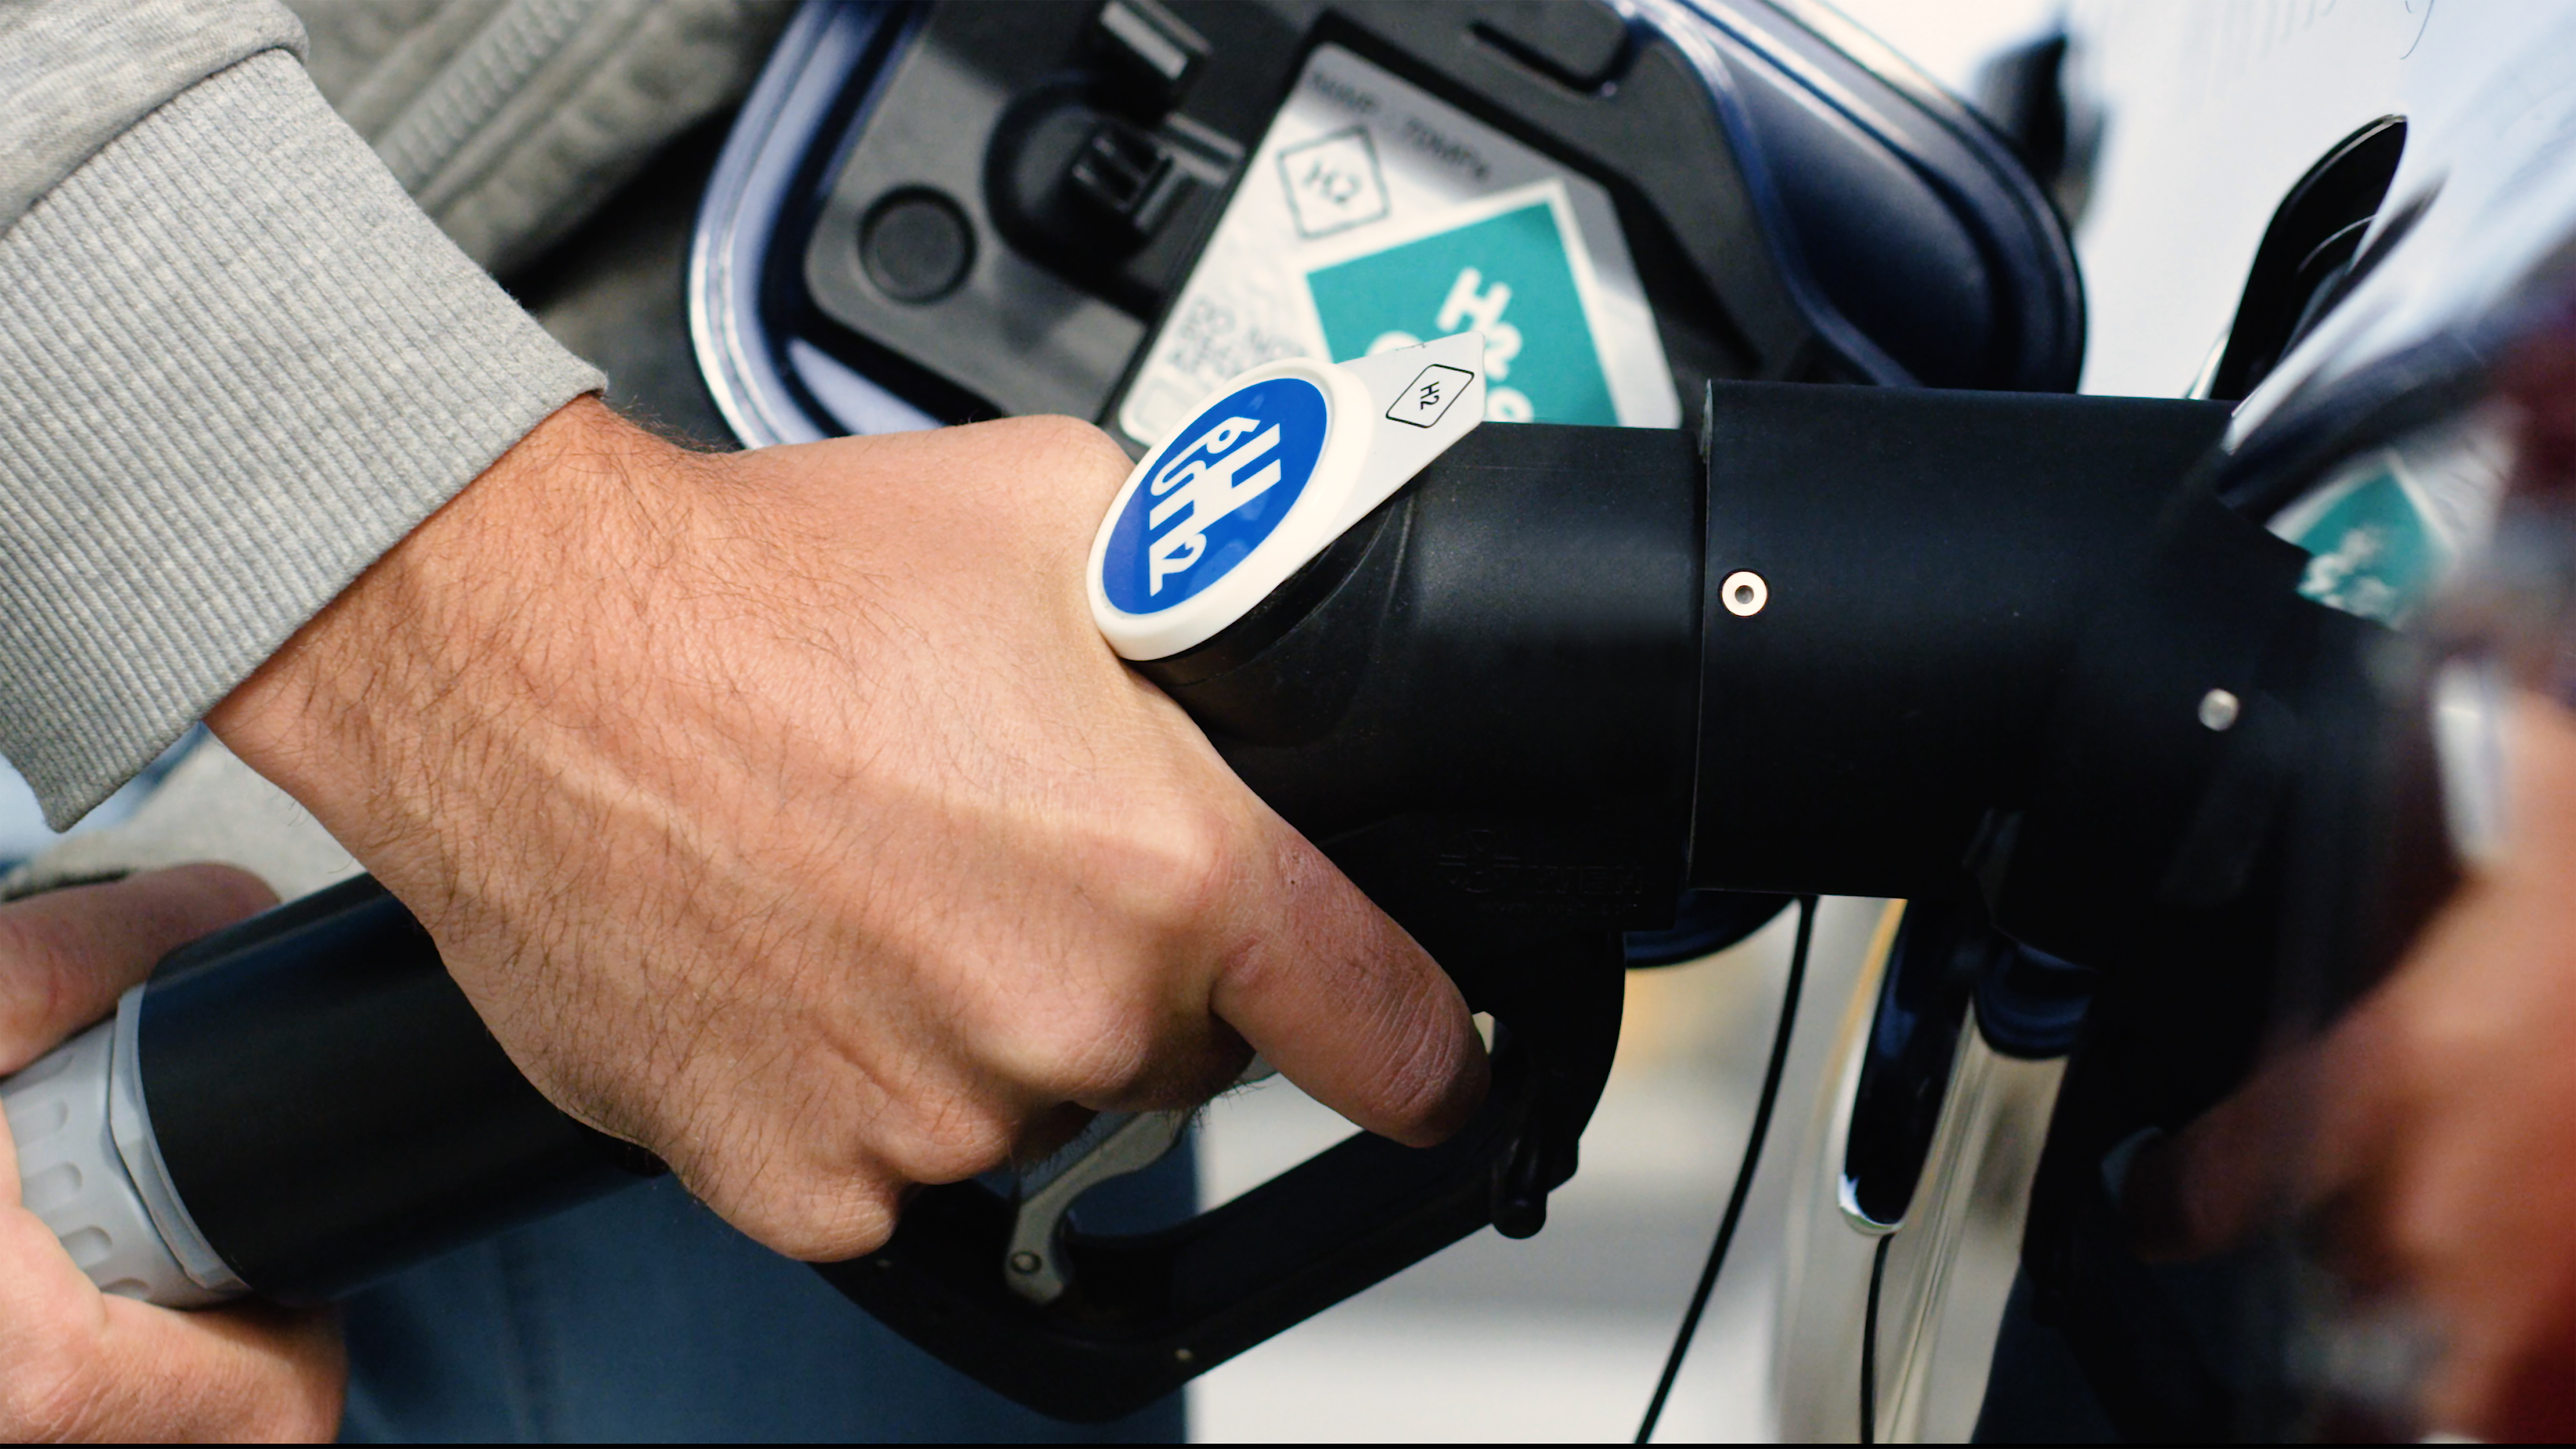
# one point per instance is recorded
(130, 1123)
(75, 1180)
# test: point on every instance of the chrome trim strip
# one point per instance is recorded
(822, 48)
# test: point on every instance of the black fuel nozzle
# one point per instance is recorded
(1852, 641)
(1844, 641)
(1570, 671)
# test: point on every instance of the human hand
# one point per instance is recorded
(76, 1363)
(2436, 1125)
(785, 813)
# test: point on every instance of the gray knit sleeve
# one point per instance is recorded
(237, 364)
(74, 74)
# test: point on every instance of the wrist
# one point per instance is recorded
(422, 669)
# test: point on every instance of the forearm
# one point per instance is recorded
(243, 365)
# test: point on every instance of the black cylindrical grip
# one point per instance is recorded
(330, 1107)
(1479, 701)
(1896, 583)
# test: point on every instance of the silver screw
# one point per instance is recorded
(2218, 711)
(1744, 593)
(1025, 1261)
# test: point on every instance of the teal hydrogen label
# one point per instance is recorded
(1213, 493)
(2371, 554)
(1506, 276)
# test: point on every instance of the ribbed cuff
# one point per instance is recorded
(237, 364)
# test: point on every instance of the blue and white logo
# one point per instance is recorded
(1257, 481)
(1212, 493)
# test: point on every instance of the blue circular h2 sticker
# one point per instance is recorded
(1213, 493)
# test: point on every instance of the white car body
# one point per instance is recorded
(2199, 119)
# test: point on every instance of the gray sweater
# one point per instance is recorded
(237, 362)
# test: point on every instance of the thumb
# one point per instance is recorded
(66, 955)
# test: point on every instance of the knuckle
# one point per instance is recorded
(956, 1141)
(1100, 1045)
(821, 1214)
(1182, 1080)
(1072, 442)
(1177, 867)
(849, 1224)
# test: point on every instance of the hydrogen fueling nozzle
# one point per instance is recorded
(1531, 691)
(1529, 686)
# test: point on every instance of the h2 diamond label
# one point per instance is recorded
(1333, 183)
(1428, 398)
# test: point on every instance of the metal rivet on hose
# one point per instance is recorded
(1744, 593)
